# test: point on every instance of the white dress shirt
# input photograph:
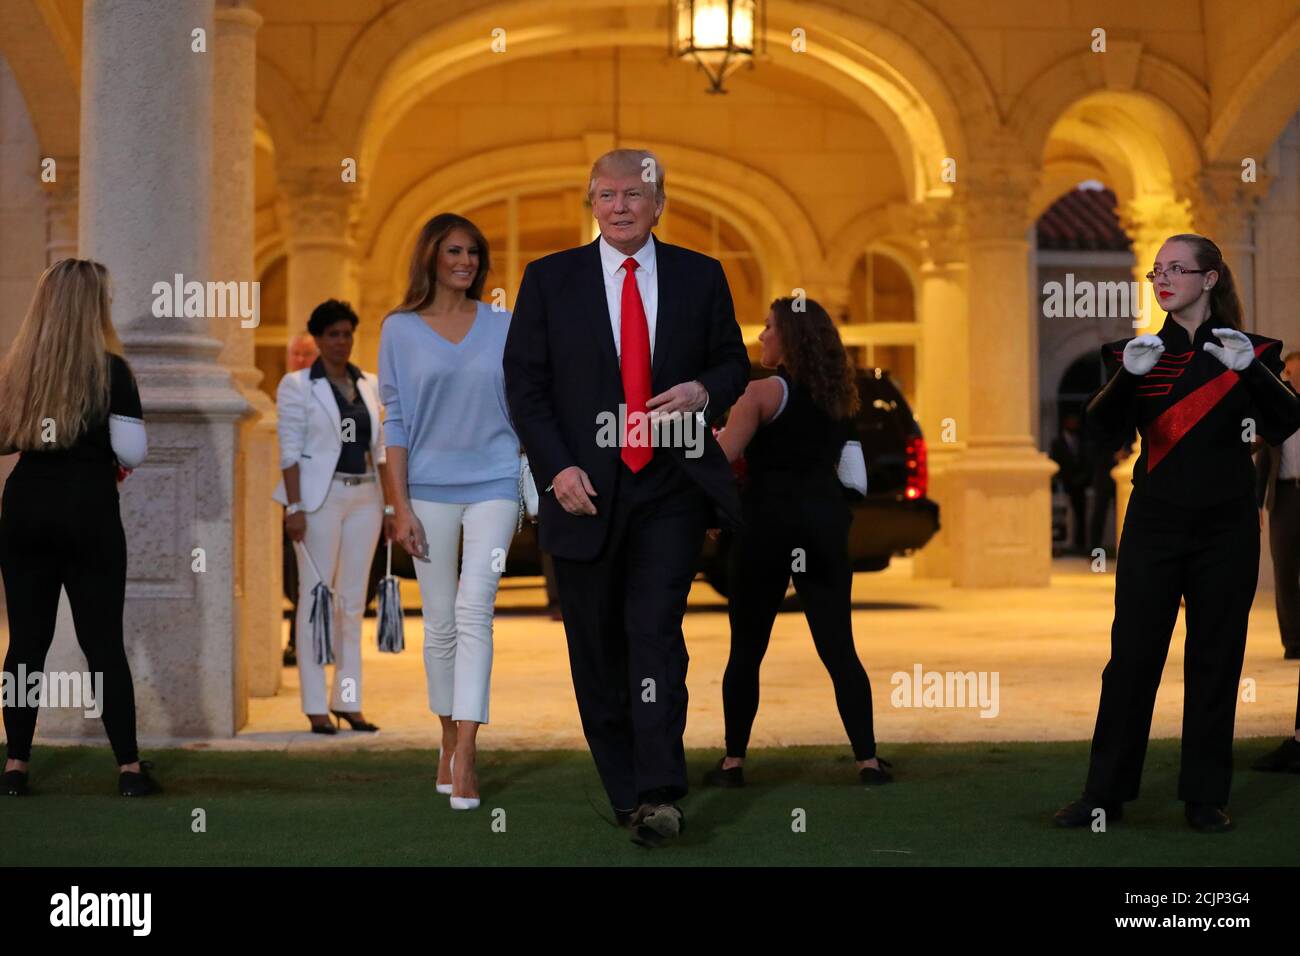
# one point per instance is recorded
(647, 282)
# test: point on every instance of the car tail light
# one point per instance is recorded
(918, 475)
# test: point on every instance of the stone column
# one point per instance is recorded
(61, 211)
(145, 210)
(942, 397)
(1000, 501)
(318, 210)
(259, 564)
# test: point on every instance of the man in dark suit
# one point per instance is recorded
(1278, 490)
(629, 321)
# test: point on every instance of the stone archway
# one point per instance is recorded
(924, 116)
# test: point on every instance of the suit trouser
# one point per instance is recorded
(458, 609)
(341, 536)
(1210, 556)
(57, 535)
(1284, 544)
(623, 620)
(779, 517)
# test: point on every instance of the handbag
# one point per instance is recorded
(528, 497)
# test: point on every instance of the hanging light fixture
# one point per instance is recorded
(718, 34)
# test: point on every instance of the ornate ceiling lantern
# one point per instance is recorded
(718, 34)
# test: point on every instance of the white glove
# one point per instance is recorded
(1142, 353)
(852, 467)
(1236, 352)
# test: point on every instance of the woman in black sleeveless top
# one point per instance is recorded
(71, 407)
(792, 429)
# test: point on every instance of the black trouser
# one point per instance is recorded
(781, 514)
(67, 534)
(623, 619)
(1284, 544)
(1210, 557)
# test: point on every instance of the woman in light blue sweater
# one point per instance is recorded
(453, 464)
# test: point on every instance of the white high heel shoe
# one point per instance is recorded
(462, 803)
(445, 788)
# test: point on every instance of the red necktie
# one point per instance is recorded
(634, 359)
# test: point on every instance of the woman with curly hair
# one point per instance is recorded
(793, 428)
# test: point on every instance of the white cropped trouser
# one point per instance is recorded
(341, 537)
(458, 615)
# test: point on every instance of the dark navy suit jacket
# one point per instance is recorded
(562, 372)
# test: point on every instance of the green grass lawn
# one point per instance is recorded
(962, 804)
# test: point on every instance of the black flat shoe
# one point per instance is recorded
(325, 728)
(1282, 759)
(872, 776)
(1207, 818)
(1080, 812)
(130, 784)
(15, 783)
(354, 723)
(728, 777)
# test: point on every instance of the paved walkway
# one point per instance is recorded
(1047, 647)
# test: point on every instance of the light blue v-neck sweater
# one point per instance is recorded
(446, 405)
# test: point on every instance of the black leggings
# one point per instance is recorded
(66, 534)
(781, 516)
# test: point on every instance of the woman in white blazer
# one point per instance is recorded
(331, 450)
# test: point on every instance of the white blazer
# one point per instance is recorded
(311, 432)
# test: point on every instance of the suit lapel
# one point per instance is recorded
(667, 311)
(320, 387)
(596, 305)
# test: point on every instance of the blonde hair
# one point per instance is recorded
(57, 367)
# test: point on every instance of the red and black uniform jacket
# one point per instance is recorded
(1194, 415)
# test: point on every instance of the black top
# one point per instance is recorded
(1194, 415)
(352, 459)
(802, 440)
(91, 455)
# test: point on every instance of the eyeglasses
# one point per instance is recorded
(1174, 270)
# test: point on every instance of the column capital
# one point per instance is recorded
(1223, 206)
(317, 206)
(941, 226)
(1150, 220)
(995, 197)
